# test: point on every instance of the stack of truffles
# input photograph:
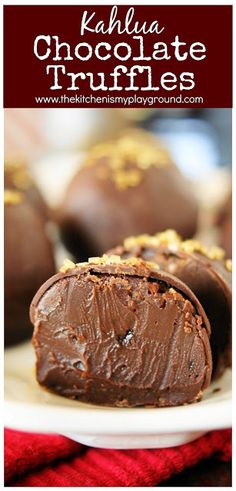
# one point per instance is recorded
(145, 321)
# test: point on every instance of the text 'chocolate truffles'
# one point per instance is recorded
(121, 333)
(124, 187)
(204, 270)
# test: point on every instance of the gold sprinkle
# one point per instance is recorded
(129, 178)
(108, 260)
(146, 159)
(67, 265)
(102, 150)
(172, 240)
(193, 245)
(214, 252)
(12, 197)
(134, 148)
(228, 265)
(134, 241)
(113, 259)
(169, 238)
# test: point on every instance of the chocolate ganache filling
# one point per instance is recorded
(121, 333)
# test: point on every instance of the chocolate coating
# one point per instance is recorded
(121, 334)
(128, 186)
(208, 278)
(17, 177)
(28, 262)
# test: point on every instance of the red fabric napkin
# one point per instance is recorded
(52, 460)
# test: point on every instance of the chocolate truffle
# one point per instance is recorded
(224, 222)
(204, 270)
(120, 333)
(28, 262)
(127, 186)
(17, 176)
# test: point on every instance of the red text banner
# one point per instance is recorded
(117, 56)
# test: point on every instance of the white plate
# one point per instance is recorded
(31, 408)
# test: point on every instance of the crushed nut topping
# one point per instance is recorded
(126, 158)
(213, 252)
(108, 260)
(67, 265)
(173, 241)
(114, 259)
(168, 237)
(127, 178)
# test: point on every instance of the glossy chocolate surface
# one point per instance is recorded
(125, 187)
(28, 261)
(210, 280)
(17, 177)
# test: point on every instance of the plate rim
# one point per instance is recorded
(105, 421)
(55, 417)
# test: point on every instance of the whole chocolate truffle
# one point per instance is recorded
(224, 222)
(28, 262)
(17, 176)
(127, 186)
(204, 270)
(120, 333)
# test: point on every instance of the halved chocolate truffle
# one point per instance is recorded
(28, 262)
(126, 186)
(120, 333)
(204, 270)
